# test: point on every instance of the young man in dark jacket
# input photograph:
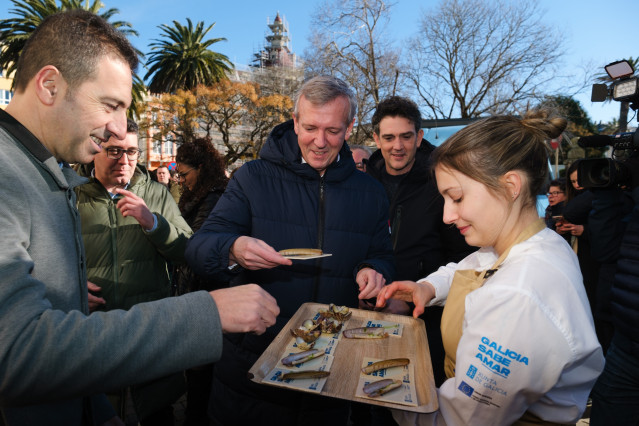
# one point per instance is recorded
(303, 192)
(421, 241)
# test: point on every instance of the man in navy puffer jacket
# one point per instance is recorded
(303, 192)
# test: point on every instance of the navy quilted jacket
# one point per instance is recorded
(615, 236)
(286, 203)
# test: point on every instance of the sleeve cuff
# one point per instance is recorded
(441, 288)
(155, 224)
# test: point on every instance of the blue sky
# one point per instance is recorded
(594, 35)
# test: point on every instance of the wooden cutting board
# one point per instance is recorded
(350, 353)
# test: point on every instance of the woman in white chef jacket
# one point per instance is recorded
(517, 328)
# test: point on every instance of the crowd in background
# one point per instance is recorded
(569, 206)
(124, 284)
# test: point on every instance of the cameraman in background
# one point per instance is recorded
(615, 397)
(614, 227)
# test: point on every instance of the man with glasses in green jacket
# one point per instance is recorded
(132, 230)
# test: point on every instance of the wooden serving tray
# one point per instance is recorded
(349, 354)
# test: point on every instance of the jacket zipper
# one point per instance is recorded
(114, 247)
(395, 226)
(320, 225)
(320, 234)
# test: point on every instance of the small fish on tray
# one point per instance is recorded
(302, 357)
(305, 374)
(380, 387)
(366, 333)
(387, 363)
(303, 253)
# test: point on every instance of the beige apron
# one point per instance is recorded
(464, 282)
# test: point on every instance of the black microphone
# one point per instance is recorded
(594, 141)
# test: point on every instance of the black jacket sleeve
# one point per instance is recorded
(608, 219)
(577, 210)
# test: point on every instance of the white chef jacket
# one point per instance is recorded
(528, 341)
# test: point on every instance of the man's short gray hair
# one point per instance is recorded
(323, 89)
(364, 148)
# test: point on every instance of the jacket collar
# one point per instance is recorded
(24, 136)
(282, 148)
(61, 172)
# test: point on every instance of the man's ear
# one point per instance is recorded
(48, 84)
(295, 124)
(376, 139)
(420, 137)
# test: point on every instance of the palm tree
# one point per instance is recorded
(625, 106)
(138, 99)
(182, 59)
(14, 32)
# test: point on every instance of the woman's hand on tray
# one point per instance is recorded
(393, 306)
(419, 294)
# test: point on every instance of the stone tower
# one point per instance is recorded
(276, 52)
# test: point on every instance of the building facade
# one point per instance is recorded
(5, 88)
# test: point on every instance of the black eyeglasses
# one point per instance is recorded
(116, 153)
(361, 165)
(181, 175)
(554, 193)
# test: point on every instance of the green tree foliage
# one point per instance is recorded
(181, 59)
(579, 123)
(138, 103)
(14, 32)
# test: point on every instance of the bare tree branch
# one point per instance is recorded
(476, 57)
(350, 41)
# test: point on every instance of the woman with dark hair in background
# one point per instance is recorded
(200, 170)
(576, 211)
(556, 200)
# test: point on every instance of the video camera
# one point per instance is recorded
(611, 172)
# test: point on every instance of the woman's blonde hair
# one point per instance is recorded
(486, 150)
